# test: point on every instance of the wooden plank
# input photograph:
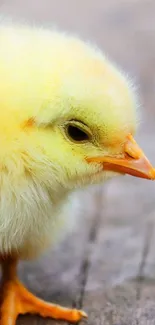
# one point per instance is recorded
(107, 265)
(112, 293)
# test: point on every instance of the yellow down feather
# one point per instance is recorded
(47, 79)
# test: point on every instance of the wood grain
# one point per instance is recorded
(107, 266)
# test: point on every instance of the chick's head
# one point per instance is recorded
(79, 113)
(94, 114)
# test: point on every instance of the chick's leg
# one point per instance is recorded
(16, 299)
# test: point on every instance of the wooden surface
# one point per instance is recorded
(107, 266)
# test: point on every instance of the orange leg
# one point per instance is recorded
(16, 299)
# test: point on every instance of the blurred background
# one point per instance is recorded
(107, 265)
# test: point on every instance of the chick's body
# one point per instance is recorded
(67, 119)
(46, 78)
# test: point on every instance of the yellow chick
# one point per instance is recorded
(67, 119)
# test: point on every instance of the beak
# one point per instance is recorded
(133, 163)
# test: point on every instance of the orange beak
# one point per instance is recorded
(133, 163)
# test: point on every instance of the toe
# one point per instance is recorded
(77, 315)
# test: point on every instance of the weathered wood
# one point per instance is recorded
(117, 263)
(107, 266)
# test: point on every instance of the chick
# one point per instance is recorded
(67, 119)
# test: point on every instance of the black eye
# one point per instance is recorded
(77, 133)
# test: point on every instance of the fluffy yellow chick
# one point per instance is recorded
(67, 119)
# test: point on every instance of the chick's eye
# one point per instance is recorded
(77, 133)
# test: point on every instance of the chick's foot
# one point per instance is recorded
(16, 300)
